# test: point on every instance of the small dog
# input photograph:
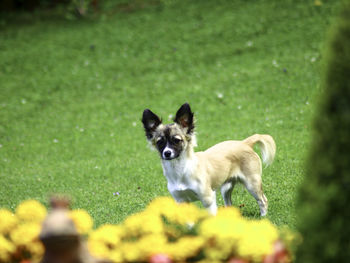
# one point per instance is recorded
(196, 176)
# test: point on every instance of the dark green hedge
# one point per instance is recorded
(14, 5)
(324, 199)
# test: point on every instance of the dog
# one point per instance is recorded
(196, 176)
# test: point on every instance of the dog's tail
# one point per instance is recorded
(267, 146)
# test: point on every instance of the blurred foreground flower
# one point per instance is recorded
(6, 249)
(164, 232)
(82, 220)
(7, 221)
(31, 210)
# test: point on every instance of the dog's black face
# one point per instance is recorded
(170, 140)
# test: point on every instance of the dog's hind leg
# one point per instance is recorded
(254, 186)
(226, 191)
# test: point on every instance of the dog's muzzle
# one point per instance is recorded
(168, 154)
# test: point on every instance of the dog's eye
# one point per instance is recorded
(160, 141)
(176, 140)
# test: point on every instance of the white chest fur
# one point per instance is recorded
(181, 184)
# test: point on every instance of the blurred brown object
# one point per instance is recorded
(59, 202)
(61, 240)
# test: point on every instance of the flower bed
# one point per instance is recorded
(164, 232)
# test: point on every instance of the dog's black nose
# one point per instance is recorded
(167, 154)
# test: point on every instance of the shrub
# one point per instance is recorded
(325, 193)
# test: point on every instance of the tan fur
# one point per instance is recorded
(196, 176)
(236, 161)
(227, 163)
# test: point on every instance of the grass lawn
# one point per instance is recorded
(72, 95)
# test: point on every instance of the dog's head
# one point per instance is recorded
(170, 139)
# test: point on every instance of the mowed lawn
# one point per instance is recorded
(72, 95)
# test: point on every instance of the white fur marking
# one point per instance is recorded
(178, 173)
(168, 149)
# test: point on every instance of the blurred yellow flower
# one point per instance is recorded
(98, 249)
(143, 223)
(179, 232)
(103, 240)
(187, 213)
(25, 233)
(108, 234)
(116, 256)
(184, 213)
(82, 220)
(6, 249)
(222, 233)
(7, 221)
(229, 212)
(130, 252)
(161, 204)
(150, 245)
(31, 210)
(185, 247)
(36, 248)
(258, 240)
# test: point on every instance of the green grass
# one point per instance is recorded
(72, 95)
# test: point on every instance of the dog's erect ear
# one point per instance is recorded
(150, 122)
(184, 117)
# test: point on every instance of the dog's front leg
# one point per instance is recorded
(209, 202)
